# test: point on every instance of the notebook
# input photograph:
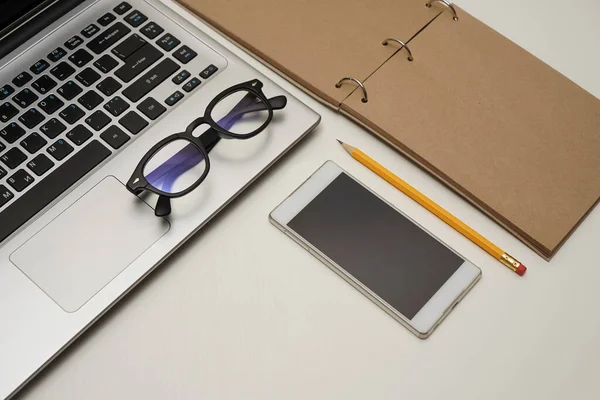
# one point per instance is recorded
(504, 130)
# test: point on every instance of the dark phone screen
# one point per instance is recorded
(380, 247)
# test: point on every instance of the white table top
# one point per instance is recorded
(242, 312)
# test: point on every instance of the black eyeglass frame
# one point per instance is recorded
(204, 143)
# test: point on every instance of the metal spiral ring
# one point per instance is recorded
(445, 3)
(400, 42)
(359, 83)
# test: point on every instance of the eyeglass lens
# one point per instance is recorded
(241, 113)
(175, 167)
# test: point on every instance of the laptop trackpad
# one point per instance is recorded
(91, 242)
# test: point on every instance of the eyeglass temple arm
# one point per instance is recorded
(163, 206)
(248, 104)
(210, 138)
(278, 102)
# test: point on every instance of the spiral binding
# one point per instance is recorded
(400, 42)
(445, 3)
(359, 83)
(429, 4)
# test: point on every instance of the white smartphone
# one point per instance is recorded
(388, 257)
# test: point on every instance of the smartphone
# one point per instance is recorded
(389, 258)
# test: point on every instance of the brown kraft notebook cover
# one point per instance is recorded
(508, 132)
(505, 130)
(316, 43)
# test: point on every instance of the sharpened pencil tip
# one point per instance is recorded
(339, 141)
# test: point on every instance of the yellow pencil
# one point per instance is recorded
(462, 228)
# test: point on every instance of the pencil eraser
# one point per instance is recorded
(521, 270)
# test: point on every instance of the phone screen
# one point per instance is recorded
(381, 248)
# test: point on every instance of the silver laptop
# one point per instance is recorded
(87, 88)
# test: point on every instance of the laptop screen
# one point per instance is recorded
(21, 19)
(15, 12)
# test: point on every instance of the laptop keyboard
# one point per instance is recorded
(82, 102)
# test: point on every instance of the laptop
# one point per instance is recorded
(86, 89)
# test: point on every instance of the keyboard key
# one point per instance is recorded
(135, 18)
(151, 79)
(97, 120)
(12, 132)
(21, 79)
(60, 149)
(57, 54)
(13, 157)
(71, 114)
(133, 122)
(168, 42)
(90, 100)
(2, 148)
(128, 46)
(39, 67)
(116, 106)
(25, 98)
(79, 135)
(5, 195)
(43, 84)
(191, 85)
(62, 71)
(40, 164)
(49, 188)
(106, 19)
(7, 111)
(138, 62)
(109, 86)
(208, 71)
(6, 91)
(33, 142)
(90, 30)
(151, 108)
(80, 58)
(174, 98)
(50, 104)
(87, 77)
(2, 173)
(20, 180)
(180, 77)
(184, 54)
(115, 137)
(52, 128)
(122, 8)
(109, 37)
(106, 63)
(72, 43)
(69, 90)
(31, 118)
(152, 30)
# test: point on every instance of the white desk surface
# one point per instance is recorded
(242, 312)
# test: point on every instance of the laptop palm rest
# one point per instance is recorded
(89, 244)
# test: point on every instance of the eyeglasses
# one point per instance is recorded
(179, 163)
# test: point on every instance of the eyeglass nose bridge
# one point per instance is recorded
(194, 125)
